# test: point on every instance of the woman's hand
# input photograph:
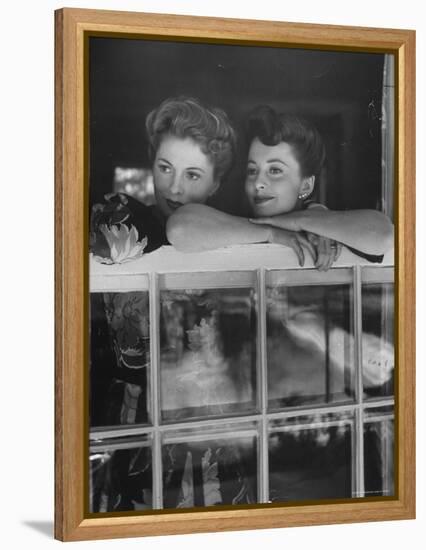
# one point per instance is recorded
(294, 240)
(327, 250)
(324, 251)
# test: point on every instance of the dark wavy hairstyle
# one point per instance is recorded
(272, 128)
(187, 117)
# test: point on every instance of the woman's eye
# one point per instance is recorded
(193, 176)
(275, 171)
(164, 168)
(251, 172)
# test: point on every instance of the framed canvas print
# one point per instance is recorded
(234, 274)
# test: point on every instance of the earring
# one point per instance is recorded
(303, 196)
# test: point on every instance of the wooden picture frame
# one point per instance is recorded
(71, 271)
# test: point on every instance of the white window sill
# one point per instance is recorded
(251, 257)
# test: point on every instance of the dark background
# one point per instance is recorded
(341, 92)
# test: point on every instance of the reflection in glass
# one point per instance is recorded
(310, 344)
(209, 473)
(121, 480)
(378, 339)
(310, 461)
(379, 457)
(119, 358)
(208, 352)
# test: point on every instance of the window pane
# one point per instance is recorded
(208, 352)
(378, 339)
(208, 473)
(310, 344)
(121, 479)
(311, 460)
(379, 454)
(119, 358)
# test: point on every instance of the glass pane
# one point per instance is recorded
(208, 352)
(379, 455)
(310, 344)
(378, 356)
(209, 473)
(121, 479)
(310, 461)
(119, 358)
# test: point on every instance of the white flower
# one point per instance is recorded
(123, 242)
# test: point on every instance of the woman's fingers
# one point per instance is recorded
(336, 249)
(308, 245)
(299, 252)
(299, 242)
(313, 238)
(321, 258)
(289, 239)
(331, 256)
(327, 251)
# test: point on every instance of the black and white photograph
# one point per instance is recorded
(241, 275)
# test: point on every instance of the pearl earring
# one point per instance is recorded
(303, 196)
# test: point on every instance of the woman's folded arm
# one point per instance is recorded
(369, 231)
(196, 227)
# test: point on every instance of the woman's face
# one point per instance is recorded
(182, 174)
(273, 180)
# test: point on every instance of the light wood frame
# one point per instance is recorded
(71, 271)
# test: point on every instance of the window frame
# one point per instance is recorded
(349, 269)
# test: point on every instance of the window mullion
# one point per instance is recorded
(359, 417)
(154, 318)
(262, 351)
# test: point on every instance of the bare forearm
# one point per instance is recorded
(196, 227)
(366, 230)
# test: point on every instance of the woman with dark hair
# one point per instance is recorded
(285, 157)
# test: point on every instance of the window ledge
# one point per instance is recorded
(233, 258)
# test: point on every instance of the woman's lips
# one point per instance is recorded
(173, 205)
(259, 200)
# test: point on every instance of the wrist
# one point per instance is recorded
(299, 219)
